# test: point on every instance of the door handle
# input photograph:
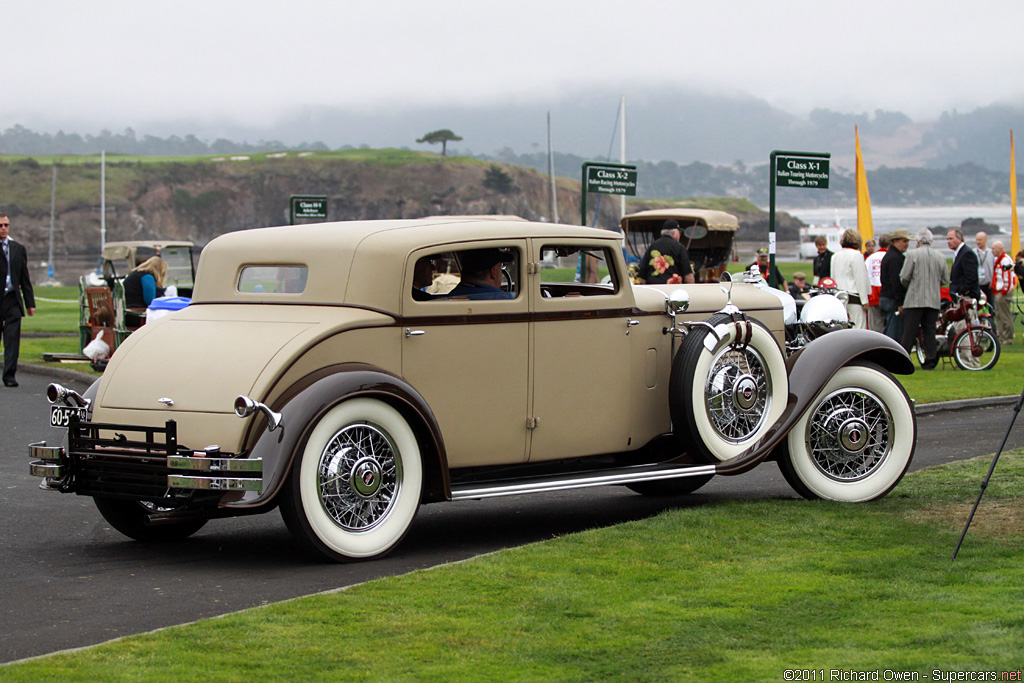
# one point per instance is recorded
(630, 323)
(413, 333)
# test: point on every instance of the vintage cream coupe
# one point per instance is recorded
(329, 370)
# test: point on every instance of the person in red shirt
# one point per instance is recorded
(1003, 282)
(873, 262)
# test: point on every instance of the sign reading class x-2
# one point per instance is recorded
(808, 170)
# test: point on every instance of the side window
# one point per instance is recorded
(575, 270)
(272, 279)
(474, 274)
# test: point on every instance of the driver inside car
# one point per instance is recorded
(481, 274)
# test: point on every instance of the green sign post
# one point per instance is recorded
(307, 206)
(604, 178)
(793, 169)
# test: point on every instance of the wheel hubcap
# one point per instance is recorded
(737, 393)
(849, 434)
(359, 477)
(853, 436)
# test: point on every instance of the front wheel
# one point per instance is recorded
(130, 516)
(976, 348)
(355, 488)
(855, 441)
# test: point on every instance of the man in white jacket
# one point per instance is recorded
(850, 274)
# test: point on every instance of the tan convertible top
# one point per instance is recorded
(649, 220)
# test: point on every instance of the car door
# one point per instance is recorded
(582, 360)
(468, 357)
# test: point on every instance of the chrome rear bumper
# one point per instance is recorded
(217, 474)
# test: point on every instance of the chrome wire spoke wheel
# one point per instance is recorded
(849, 434)
(355, 487)
(737, 393)
(359, 477)
(855, 440)
(728, 386)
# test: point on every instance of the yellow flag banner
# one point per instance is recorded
(1015, 233)
(864, 223)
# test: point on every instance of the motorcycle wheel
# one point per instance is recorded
(976, 348)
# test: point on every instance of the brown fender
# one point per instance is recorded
(300, 410)
(810, 369)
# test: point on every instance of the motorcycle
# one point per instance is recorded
(807, 319)
(961, 335)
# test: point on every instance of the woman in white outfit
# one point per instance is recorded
(850, 273)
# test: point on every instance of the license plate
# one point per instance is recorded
(60, 416)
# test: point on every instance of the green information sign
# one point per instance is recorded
(806, 172)
(308, 206)
(611, 180)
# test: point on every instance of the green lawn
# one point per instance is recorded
(729, 591)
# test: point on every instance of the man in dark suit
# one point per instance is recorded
(17, 286)
(963, 276)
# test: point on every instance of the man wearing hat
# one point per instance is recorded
(891, 293)
(799, 289)
(762, 265)
(481, 274)
(666, 260)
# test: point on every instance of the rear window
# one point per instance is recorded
(272, 279)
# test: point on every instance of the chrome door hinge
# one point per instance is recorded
(532, 268)
(532, 422)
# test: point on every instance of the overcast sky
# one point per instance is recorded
(117, 63)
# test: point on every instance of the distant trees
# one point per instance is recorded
(21, 140)
(444, 136)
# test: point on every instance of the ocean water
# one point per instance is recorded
(887, 219)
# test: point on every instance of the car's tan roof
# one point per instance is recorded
(714, 220)
(358, 262)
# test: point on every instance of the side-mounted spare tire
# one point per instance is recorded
(727, 388)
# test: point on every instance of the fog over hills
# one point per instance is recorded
(670, 124)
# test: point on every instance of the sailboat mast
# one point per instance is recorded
(551, 175)
(622, 149)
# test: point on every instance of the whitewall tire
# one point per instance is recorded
(726, 392)
(855, 441)
(355, 488)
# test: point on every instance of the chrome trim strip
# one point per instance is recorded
(42, 468)
(43, 452)
(203, 464)
(582, 481)
(180, 481)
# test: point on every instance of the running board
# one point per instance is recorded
(564, 482)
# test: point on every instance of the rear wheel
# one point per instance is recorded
(130, 516)
(976, 348)
(855, 441)
(354, 490)
(725, 392)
